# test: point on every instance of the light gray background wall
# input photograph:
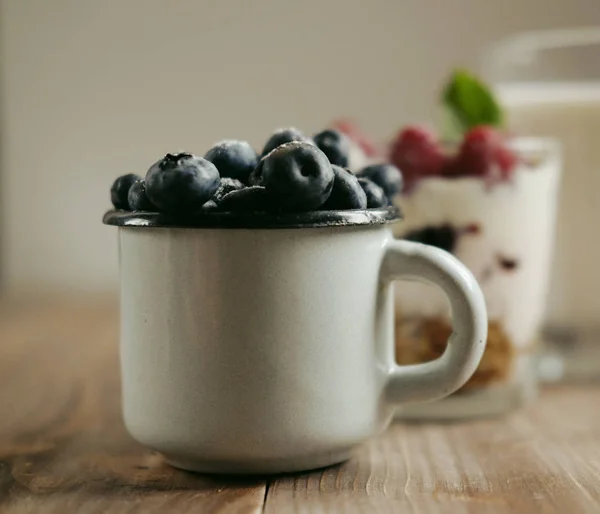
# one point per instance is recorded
(93, 89)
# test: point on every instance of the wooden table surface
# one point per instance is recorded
(63, 447)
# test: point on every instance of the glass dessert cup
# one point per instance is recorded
(548, 84)
(503, 232)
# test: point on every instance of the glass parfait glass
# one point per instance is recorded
(503, 232)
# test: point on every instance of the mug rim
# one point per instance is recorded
(254, 220)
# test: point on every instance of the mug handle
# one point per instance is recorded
(440, 377)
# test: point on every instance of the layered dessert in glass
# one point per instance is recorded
(490, 199)
(502, 229)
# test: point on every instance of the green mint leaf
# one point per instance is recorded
(451, 128)
(468, 102)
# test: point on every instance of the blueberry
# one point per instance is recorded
(181, 182)
(256, 178)
(281, 137)
(298, 175)
(375, 195)
(386, 176)
(209, 206)
(441, 236)
(346, 192)
(120, 190)
(234, 159)
(138, 199)
(249, 199)
(335, 145)
(227, 185)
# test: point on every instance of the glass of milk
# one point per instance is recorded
(549, 84)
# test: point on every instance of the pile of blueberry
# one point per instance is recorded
(294, 173)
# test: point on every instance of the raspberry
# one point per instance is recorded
(417, 153)
(507, 161)
(483, 153)
(477, 153)
(453, 167)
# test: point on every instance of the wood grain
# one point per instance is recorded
(545, 460)
(63, 447)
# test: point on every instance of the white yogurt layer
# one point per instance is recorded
(516, 222)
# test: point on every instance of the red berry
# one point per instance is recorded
(483, 153)
(452, 167)
(507, 160)
(417, 153)
(483, 134)
(478, 151)
(417, 135)
(353, 131)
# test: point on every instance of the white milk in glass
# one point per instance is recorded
(569, 112)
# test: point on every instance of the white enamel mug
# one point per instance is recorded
(265, 345)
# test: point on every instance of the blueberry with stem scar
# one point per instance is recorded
(298, 176)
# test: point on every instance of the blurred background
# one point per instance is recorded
(92, 90)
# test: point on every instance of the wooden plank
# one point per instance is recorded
(63, 447)
(543, 460)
